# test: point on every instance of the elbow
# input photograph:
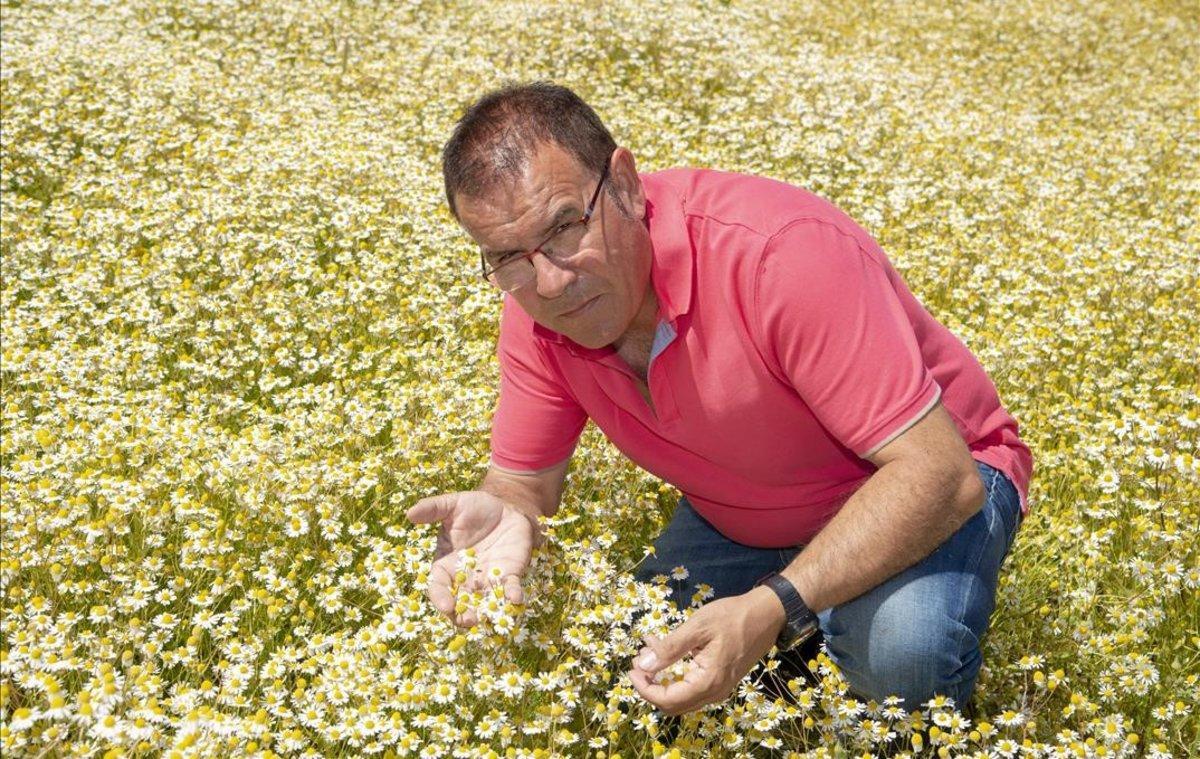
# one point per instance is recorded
(970, 494)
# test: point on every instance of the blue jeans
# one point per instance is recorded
(915, 635)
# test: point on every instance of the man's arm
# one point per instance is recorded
(926, 487)
(532, 493)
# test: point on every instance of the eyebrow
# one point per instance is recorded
(563, 213)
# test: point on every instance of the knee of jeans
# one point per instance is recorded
(915, 663)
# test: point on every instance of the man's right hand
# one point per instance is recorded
(502, 537)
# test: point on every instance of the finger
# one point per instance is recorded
(673, 698)
(440, 595)
(467, 619)
(474, 581)
(667, 650)
(513, 590)
(433, 509)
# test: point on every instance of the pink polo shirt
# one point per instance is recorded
(788, 348)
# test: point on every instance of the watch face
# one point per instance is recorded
(787, 640)
(792, 637)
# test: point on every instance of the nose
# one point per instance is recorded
(551, 279)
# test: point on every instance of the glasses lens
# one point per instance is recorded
(512, 275)
(562, 246)
(566, 243)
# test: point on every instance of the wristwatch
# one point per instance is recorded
(801, 621)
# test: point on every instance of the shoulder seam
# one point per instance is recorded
(697, 215)
(755, 308)
(836, 227)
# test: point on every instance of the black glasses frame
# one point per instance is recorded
(587, 216)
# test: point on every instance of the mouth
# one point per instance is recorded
(580, 310)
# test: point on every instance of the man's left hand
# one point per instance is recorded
(725, 637)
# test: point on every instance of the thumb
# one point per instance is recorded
(665, 651)
(435, 508)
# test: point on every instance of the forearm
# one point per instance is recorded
(896, 519)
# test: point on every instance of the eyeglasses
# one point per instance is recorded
(512, 271)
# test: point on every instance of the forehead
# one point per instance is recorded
(550, 181)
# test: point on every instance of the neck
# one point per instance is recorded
(644, 322)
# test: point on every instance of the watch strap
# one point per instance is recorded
(801, 621)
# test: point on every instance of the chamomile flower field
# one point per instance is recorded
(242, 334)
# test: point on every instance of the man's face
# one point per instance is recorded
(609, 278)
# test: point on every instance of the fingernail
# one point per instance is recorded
(648, 661)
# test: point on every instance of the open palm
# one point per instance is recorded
(501, 536)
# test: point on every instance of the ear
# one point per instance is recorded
(623, 174)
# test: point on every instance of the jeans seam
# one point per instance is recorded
(971, 568)
(1000, 479)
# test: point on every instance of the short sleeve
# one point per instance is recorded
(833, 325)
(537, 422)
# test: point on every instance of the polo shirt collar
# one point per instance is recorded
(671, 266)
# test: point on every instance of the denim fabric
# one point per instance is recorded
(915, 635)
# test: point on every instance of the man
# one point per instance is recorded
(747, 342)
